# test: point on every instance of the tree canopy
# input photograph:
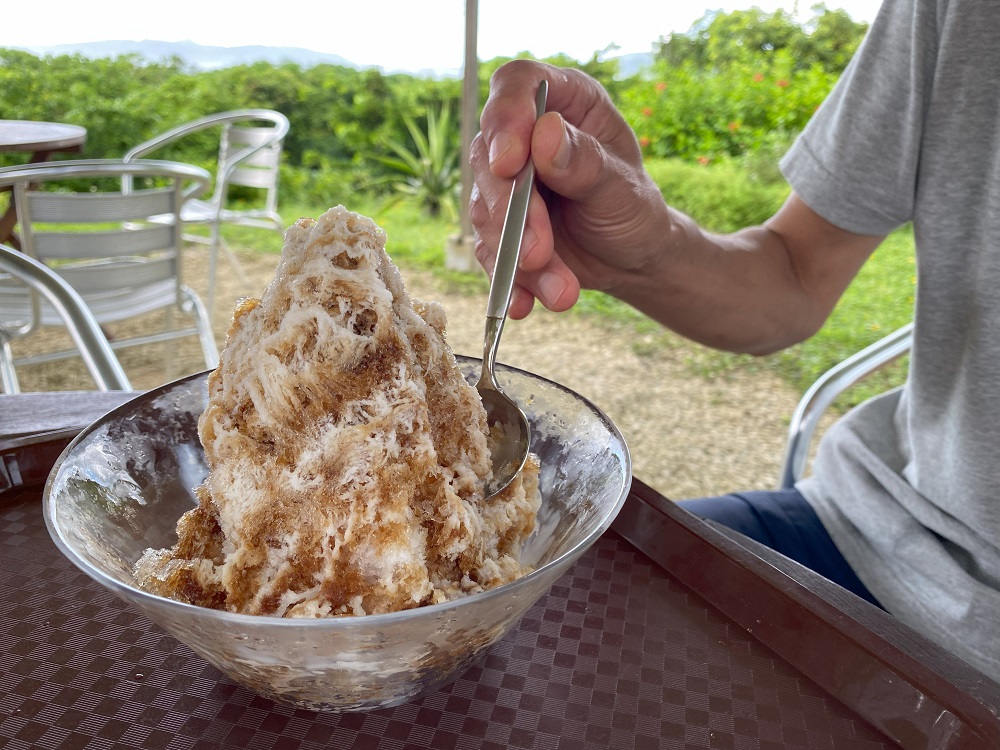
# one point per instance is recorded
(827, 39)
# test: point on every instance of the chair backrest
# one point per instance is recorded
(250, 145)
(256, 154)
(91, 342)
(76, 217)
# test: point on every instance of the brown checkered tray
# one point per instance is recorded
(619, 654)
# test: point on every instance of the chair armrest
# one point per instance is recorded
(93, 345)
(824, 392)
(209, 121)
(170, 136)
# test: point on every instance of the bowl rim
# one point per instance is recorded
(138, 595)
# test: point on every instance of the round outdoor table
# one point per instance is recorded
(41, 140)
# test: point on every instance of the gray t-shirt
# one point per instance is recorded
(908, 484)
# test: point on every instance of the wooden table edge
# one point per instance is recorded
(911, 689)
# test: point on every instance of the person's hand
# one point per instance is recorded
(601, 221)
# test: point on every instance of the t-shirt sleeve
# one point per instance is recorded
(856, 162)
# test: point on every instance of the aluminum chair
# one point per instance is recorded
(819, 397)
(75, 218)
(250, 147)
(90, 340)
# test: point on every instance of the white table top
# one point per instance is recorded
(29, 135)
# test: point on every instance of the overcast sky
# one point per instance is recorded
(393, 34)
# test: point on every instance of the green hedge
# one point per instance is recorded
(721, 197)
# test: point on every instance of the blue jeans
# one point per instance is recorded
(784, 521)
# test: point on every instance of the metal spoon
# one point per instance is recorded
(512, 451)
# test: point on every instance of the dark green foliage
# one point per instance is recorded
(338, 115)
(738, 82)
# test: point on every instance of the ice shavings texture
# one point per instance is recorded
(347, 453)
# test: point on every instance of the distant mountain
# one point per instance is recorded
(211, 58)
(196, 55)
(634, 62)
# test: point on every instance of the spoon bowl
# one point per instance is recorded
(511, 446)
(502, 413)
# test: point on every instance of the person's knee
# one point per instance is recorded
(732, 511)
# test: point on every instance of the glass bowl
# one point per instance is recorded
(120, 487)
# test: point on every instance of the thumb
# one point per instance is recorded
(570, 161)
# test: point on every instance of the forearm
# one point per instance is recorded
(755, 291)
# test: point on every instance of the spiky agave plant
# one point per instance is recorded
(429, 172)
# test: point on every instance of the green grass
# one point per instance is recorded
(879, 301)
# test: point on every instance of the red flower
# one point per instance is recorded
(644, 141)
(758, 77)
(660, 85)
(782, 84)
(647, 111)
(703, 160)
(734, 126)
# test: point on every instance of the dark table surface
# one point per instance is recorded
(668, 633)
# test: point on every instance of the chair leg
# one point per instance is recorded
(218, 242)
(194, 307)
(233, 260)
(213, 262)
(8, 376)
(169, 346)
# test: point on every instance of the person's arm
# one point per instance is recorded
(604, 225)
(758, 290)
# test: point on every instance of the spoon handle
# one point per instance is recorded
(502, 284)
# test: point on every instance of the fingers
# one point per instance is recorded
(490, 197)
(554, 285)
(569, 161)
(580, 147)
(508, 118)
(536, 242)
(541, 273)
(521, 303)
(509, 115)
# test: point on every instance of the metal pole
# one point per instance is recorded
(460, 253)
(470, 106)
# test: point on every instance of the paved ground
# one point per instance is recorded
(689, 434)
